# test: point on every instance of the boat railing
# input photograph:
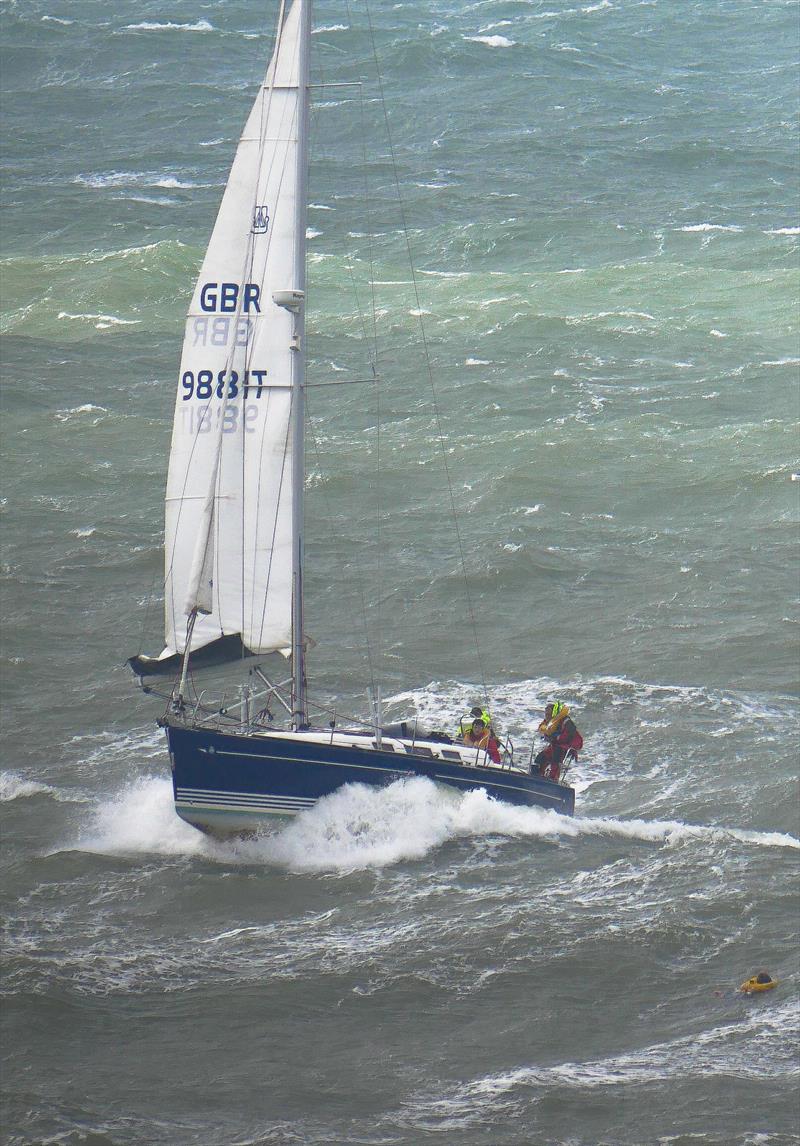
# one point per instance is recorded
(507, 752)
(242, 714)
(566, 764)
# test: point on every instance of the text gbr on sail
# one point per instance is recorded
(225, 297)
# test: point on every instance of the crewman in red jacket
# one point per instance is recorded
(563, 739)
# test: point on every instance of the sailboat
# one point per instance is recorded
(234, 554)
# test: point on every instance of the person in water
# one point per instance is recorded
(480, 735)
(563, 740)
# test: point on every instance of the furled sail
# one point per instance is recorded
(228, 530)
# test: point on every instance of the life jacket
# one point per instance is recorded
(465, 723)
(562, 732)
(486, 741)
(481, 742)
(549, 727)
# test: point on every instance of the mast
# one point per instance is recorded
(299, 708)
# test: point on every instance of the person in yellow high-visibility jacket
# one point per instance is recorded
(480, 735)
(476, 731)
(477, 712)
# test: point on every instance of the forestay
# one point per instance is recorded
(228, 531)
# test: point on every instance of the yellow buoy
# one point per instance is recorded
(763, 981)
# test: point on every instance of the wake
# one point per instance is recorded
(360, 827)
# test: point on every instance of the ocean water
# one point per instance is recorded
(601, 203)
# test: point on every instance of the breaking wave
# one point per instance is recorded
(746, 1050)
(169, 26)
(16, 787)
(360, 827)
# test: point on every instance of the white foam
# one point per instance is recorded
(141, 819)
(118, 179)
(168, 26)
(675, 831)
(101, 321)
(747, 1050)
(359, 827)
(97, 413)
(16, 787)
(170, 181)
(153, 200)
(86, 408)
(127, 252)
(783, 231)
(477, 362)
(356, 827)
(113, 179)
(234, 933)
(491, 41)
(447, 274)
(710, 227)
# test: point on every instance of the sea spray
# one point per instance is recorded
(360, 827)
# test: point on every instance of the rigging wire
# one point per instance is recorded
(294, 115)
(149, 603)
(429, 368)
(359, 579)
(372, 359)
(377, 388)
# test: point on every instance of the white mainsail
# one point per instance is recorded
(229, 519)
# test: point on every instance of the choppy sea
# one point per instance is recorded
(601, 204)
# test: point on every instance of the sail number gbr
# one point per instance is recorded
(206, 384)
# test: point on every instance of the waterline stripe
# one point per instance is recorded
(241, 799)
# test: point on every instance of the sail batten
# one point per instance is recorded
(229, 533)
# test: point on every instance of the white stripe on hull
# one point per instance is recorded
(254, 797)
(191, 800)
(212, 808)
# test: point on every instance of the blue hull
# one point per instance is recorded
(226, 783)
